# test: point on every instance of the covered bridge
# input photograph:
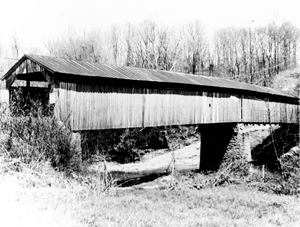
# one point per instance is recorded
(94, 96)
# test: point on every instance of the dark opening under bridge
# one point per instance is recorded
(94, 96)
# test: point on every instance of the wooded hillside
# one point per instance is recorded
(252, 55)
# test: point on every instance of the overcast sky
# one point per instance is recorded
(34, 21)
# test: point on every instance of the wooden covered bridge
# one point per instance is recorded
(94, 96)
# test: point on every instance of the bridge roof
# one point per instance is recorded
(88, 69)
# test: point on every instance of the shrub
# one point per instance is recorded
(290, 166)
(35, 137)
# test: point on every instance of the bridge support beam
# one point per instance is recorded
(214, 141)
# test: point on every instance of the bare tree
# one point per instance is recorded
(118, 44)
(250, 55)
(15, 46)
(195, 48)
(256, 55)
(71, 45)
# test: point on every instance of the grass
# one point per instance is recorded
(44, 197)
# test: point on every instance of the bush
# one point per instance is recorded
(35, 137)
(290, 167)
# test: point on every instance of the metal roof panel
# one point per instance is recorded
(84, 68)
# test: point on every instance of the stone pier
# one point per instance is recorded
(214, 141)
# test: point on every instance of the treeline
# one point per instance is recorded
(256, 55)
(252, 55)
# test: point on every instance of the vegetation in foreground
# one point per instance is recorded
(39, 195)
(44, 197)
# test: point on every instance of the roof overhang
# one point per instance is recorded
(28, 69)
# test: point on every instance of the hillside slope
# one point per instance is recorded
(288, 81)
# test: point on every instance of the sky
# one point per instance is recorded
(36, 21)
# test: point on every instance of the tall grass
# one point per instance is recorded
(35, 136)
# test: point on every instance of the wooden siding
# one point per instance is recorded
(96, 96)
(262, 111)
(93, 107)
